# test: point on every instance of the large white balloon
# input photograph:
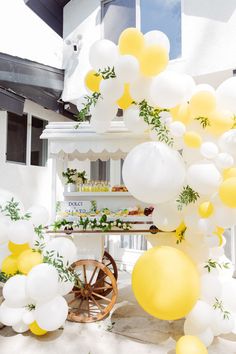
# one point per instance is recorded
(166, 216)
(42, 282)
(157, 38)
(52, 315)
(14, 291)
(226, 94)
(224, 217)
(224, 160)
(127, 68)
(199, 318)
(210, 288)
(111, 89)
(4, 229)
(10, 316)
(206, 337)
(133, 121)
(229, 295)
(6, 196)
(204, 178)
(39, 215)
(21, 231)
(103, 53)
(63, 247)
(227, 142)
(168, 89)
(148, 172)
(140, 89)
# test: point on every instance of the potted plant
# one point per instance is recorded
(70, 176)
(81, 177)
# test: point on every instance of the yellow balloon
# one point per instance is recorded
(126, 100)
(92, 81)
(229, 172)
(206, 209)
(166, 283)
(181, 113)
(9, 265)
(190, 345)
(17, 249)
(28, 259)
(227, 192)
(35, 329)
(192, 139)
(202, 103)
(153, 60)
(220, 122)
(131, 41)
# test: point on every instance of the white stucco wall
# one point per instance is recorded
(30, 183)
(25, 35)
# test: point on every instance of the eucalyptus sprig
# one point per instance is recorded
(90, 101)
(4, 277)
(181, 235)
(211, 264)
(30, 307)
(186, 197)
(218, 305)
(152, 117)
(107, 73)
(12, 210)
(204, 121)
(39, 244)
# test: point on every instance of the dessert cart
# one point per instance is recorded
(94, 297)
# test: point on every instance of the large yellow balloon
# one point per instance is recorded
(28, 259)
(192, 139)
(35, 329)
(181, 113)
(190, 345)
(202, 103)
(153, 60)
(126, 100)
(166, 283)
(92, 81)
(17, 249)
(131, 41)
(229, 172)
(220, 122)
(227, 192)
(9, 265)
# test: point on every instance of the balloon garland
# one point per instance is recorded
(188, 171)
(35, 270)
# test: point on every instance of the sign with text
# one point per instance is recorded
(75, 206)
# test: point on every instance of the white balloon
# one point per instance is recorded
(140, 89)
(229, 295)
(167, 89)
(209, 150)
(227, 142)
(189, 86)
(211, 240)
(4, 229)
(42, 282)
(206, 225)
(226, 94)
(216, 325)
(227, 324)
(166, 216)
(6, 196)
(111, 89)
(157, 37)
(210, 288)
(100, 126)
(191, 155)
(64, 287)
(165, 118)
(204, 178)
(28, 317)
(206, 337)
(127, 68)
(104, 109)
(224, 217)
(224, 160)
(4, 252)
(10, 316)
(39, 215)
(133, 121)
(200, 317)
(51, 315)
(20, 327)
(14, 291)
(177, 129)
(103, 53)
(21, 231)
(63, 247)
(148, 172)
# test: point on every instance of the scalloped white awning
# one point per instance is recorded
(67, 141)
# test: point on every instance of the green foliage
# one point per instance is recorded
(84, 113)
(30, 307)
(4, 277)
(12, 210)
(70, 175)
(107, 73)
(181, 236)
(40, 243)
(204, 121)
(102, 224)
(152, 117)
(218, 305)
(186, 197)
(82, 176)
(211, 264)
(93, 206)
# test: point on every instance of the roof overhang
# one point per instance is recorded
(11, 102)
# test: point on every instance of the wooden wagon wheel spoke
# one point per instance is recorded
(85, 275)
(92, 276)
(96, 303)
(102, 288)
(101, 297)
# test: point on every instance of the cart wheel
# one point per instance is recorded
(109, 262)
(88, 303)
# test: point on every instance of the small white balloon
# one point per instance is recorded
(64, 287)
(20, 327)
(100, 126)
(206, 225)
(10, 316)
(177, 129)
(104, 109)
(127, 68)
(227, 142)
(224, 160)
(209, 150)
(51, 315)
(28, 317)
(4, 229)
(133, 121)
(199, 318)
(63, 247)
(14, 291)
(140, 89)
(210, 288)
(224, 217)
(39, 215)
(103, 53)
(166, 216)
(165, 118)
(111, 89)
(226, 94)
(229, 295)
(21, 231)
(191, 155)
(158, 38)
(206, 337)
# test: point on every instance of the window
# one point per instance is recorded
(39, 148)
(100, 170)
(116, 16)
(16, 138)
(24, 145)
(163, 15)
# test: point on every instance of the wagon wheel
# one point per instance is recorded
(86, 303)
